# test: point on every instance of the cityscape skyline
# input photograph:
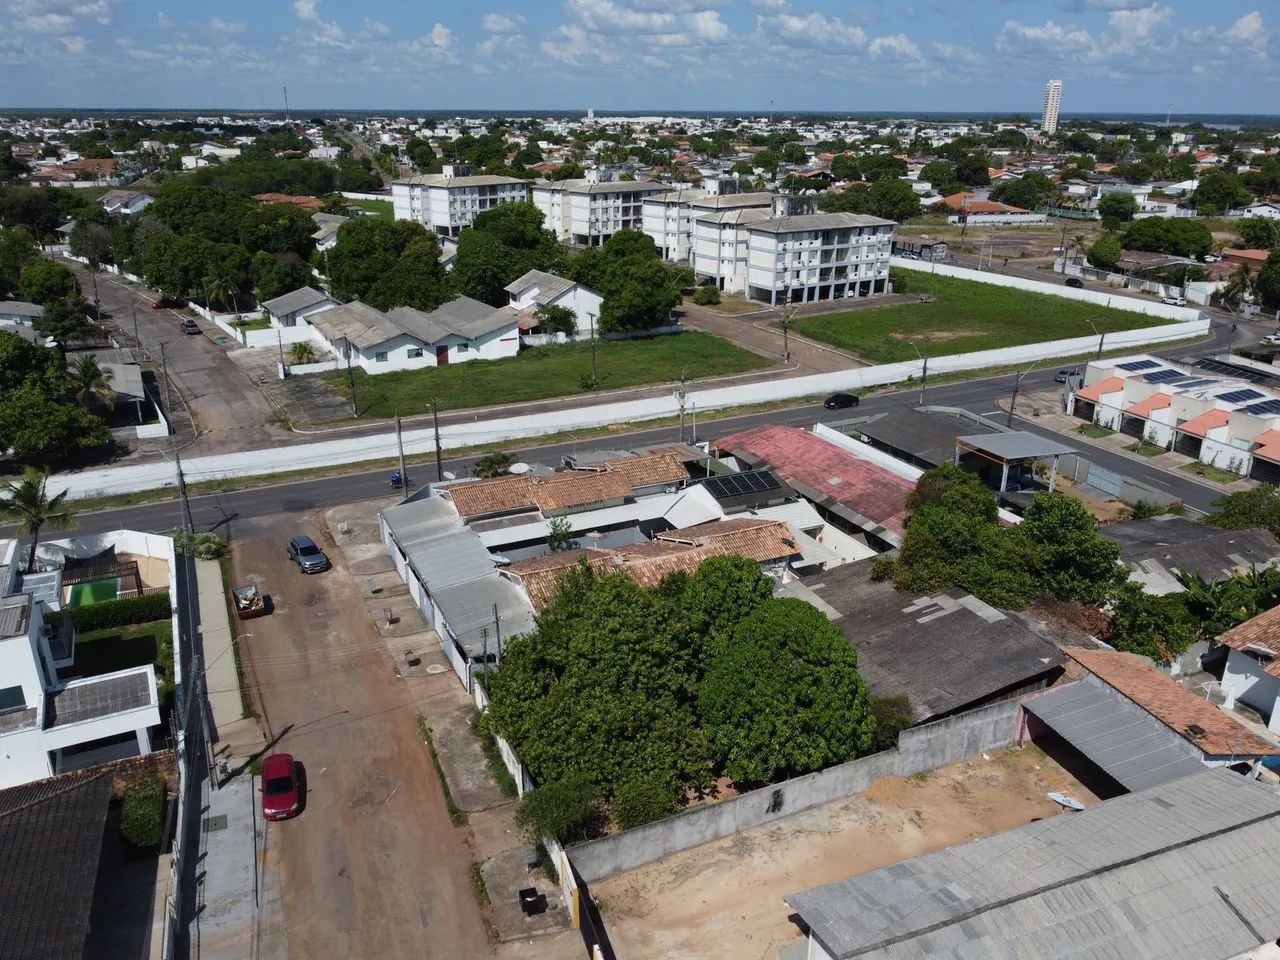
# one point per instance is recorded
(1115, 56)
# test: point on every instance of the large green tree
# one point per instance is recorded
(1267, 282)
(1118, 206)
(783, 697)
(1219, 191)
(1068, 558)
(44, 281)
(1031, 190)
(1105, 252)
(1259, 233)
(17, 251)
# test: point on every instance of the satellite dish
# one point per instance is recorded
(518, 468)
(449, 476)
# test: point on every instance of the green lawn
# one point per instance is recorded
(1144, 449)
(1094, 431)
(1216, 474)
(118, 648)
(542, 372)
(965, 316)
(253, 323)
(377, 208)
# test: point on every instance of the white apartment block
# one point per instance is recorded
(796, 259)
(668, 218)
(1052, 103)
(587, 212)
(446, 203)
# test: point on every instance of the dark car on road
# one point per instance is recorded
(1062, 375)
(1075, 282)
(281, 793)
(840, 401)
(189, 326)
(309, 558)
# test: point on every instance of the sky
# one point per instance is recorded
(1113, 56)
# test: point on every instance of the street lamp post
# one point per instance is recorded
(595, 381)
(1013, 399)
(1101, 336)
(924, 368)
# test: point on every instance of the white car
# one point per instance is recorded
(1174, 301)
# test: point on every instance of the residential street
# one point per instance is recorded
(373, 866)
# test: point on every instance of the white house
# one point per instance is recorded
(410, 339)
(324, 152)
(126, 203)
(1269, 210)
(192, 162)
(296, 306)
(539, 289)
(1252, 672)
(49, 725)
(327, 224)
(210, 149)
(447, 203)
(821, 256)
(588, 212)
(19, 313)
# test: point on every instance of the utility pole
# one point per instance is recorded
(693, 419)
(595, 381)
(280, 346)
(680, 395)
(1064, 247)
(1013, 399)
(497, 630)
(435, 420)
(182, 492)
(164, 374)
(404, 474)
(924, 371)
(1101, 336)
(133, 308)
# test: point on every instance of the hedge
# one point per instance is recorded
(118, 613)
(142, 813)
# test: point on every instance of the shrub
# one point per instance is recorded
(202, 545)
(892, 715)
(117, 613)
(142, 813)
(640, 800)
(884, 568)
(566, 810)
(706, 296)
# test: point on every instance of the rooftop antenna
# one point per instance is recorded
(287, 118)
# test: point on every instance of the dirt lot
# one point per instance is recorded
(724, 899)
(373, 867)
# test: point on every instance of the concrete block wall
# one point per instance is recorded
(957, 738)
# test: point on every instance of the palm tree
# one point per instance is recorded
(494, 464)
(1238, 286)
(1079, 242)
(220, 286)
(28, 500)
(301, 353)
(88, 381)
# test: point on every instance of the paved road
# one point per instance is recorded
(219, 511)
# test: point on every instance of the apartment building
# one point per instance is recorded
(588, 212)
(669, 218)
(1052, 103)
(446, 203)
(718, 245)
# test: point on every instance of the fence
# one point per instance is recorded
(354, 195)
(919, 749)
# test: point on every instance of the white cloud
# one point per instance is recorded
(770, 4)
(572, 44)
(305, 9)
(441, 36)
(1249, 31)
(955, 51)
(376, 28)
(812, 30)
(1137, 23)
(502, 23)
(1057, 40)
(896, 47)
(706, 26)
(46, 23)
(227, 27)
(75, 45)
(605, 16)
(163, 20)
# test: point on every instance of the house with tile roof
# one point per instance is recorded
(967, 207)
(537, 289)
(1252, 672)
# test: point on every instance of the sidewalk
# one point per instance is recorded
(449, 712)
(236, 734)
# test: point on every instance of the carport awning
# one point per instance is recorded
(1131, 745)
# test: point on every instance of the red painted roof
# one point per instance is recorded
(800, 457)
(1096, 391)
(1201, 425)
(1144, 408)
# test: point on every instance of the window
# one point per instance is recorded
(464, 347)
(415, 353)
(12, 698)
(380, 356)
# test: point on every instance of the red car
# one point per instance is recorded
(281, 796)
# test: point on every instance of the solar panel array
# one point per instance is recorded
(1241, 396)
(739, 484)
(1137, 365)
(1236, 373)
(1197, 382)
(1268, 408)
(1162, 376)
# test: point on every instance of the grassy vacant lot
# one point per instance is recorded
(965, 316)
(376, 208)
(543, 372)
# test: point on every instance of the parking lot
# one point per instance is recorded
(373, 866)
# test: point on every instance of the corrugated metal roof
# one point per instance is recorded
(437, 544)
(1137, 877)
(1119, 736)
(1017, 445)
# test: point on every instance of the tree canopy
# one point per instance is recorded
(40, 421)
(639, 291)
(625, 697)
(366, 264)
(1180, 236)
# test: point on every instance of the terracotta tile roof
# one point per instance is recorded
(540, 575)
(965, 201)
(1201, 425)
(1268, 445)
(651, 469)
(1095, 391)
(649, 572)
(558, 491)
(800, 457)
(475, 498)
(755, 539)
(650, 548)
(1261, 634)
(1144, 408)
(1172, 704)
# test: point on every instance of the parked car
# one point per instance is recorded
(309, 558)
(1062, 375)
(1075, 282)
(1174, 301)
(189, 326)
(281, 792)
(840, 401)
(165, 303)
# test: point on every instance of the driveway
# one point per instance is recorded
(229, 410)
(373, 866)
